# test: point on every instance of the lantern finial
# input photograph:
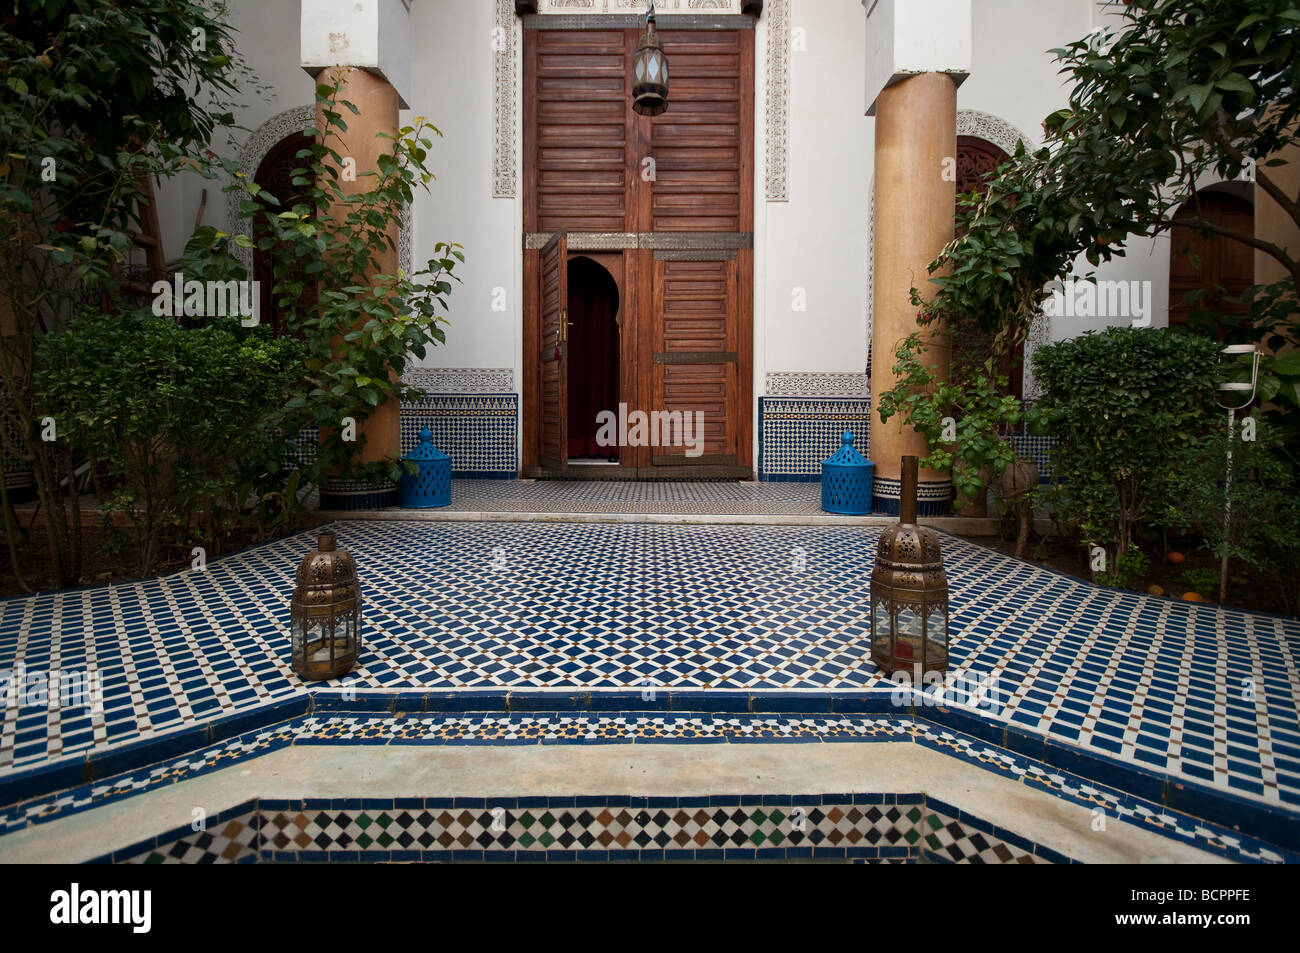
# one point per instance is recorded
(907, 497)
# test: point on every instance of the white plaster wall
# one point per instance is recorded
(817, 240)
(267, 37)
(1015, 78)
(452, 84)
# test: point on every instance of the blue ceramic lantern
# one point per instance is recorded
(431, 487)
(847, 480)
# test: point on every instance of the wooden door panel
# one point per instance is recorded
(1210, 262)
(698, 143)
(579, 112)
(695, 363)
(553, 357)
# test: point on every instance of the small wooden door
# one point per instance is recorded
(554, 356)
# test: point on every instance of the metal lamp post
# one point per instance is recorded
(1225, 399)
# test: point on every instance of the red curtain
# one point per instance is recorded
(593, 355)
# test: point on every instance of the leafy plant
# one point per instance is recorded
(177, 423)
(982, 414)
(1204, 582)
(1255, 516)
(1126, 405)
(94, 98)
(361, 320)
(1129, 565)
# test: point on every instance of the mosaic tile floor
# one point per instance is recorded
(1193, 691)
(632, 497)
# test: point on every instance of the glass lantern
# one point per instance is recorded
(909, 593)
(650, 71)
(326, 612)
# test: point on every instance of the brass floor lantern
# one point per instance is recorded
(326, 612)
(909, 593)
(650, 71)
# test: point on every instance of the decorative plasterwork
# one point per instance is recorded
(1040, 334)
(815, 384)
(505, 112)
(637, 7)
(778, 101)
(615, 241)
(262, 141)
(461, 380)
(972, 122)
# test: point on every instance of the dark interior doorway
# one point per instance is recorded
(275, 175)
(593, 358)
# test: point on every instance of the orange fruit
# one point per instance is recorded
(1175, 557)
(1155, 590)
(1192, 597)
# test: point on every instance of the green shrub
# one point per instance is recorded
(1125, 405)
(179, 424)
(1262, 526)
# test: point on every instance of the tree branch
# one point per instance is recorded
(1261, 177)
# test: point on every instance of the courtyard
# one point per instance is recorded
(1174, 718)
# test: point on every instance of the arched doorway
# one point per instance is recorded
(275, 176)
(1220, 266)
(976, 160)
(593, 358)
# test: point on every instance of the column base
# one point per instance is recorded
(357, 495)
(932, 499)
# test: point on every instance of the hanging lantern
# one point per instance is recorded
(650, 71)
(909, 593)
(326, 613)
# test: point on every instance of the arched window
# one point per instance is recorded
(976, 160)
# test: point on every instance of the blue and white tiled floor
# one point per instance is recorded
(634, 497)
(1194, 692)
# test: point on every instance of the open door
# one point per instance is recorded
(554, 357)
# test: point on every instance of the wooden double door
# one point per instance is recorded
(664, 206)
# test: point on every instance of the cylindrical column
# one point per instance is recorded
(916, 130)
(377, 104)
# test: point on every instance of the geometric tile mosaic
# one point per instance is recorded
(839, 827)
(795, 434)
(478, 431)
(1191, 691)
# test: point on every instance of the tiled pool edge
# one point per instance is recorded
(1253, 819)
